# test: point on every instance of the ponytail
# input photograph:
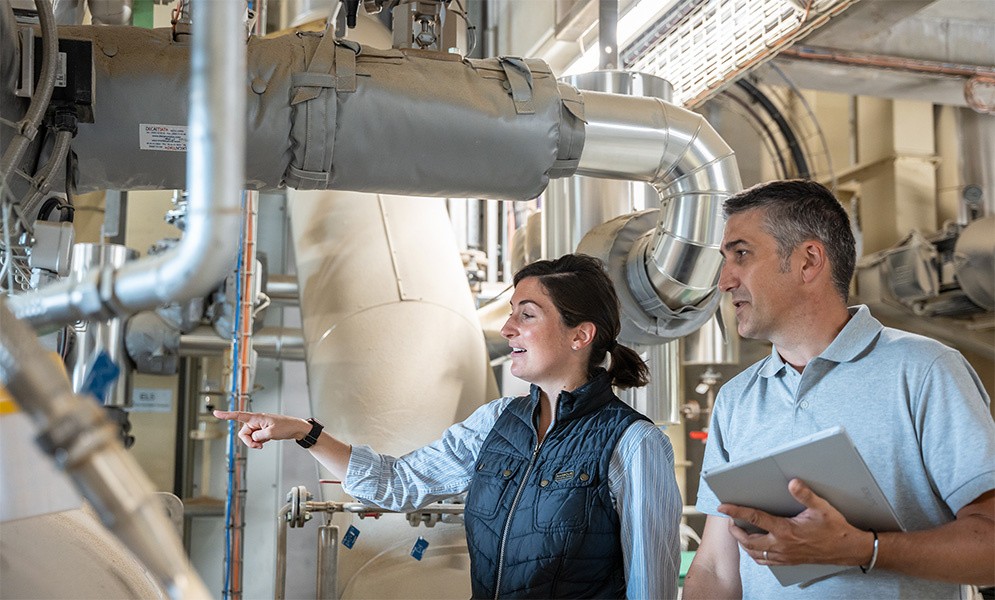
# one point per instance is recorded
(627, 368)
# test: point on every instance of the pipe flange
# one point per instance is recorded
(298, 514)
(621, 244)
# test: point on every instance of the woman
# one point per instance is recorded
(570, 492)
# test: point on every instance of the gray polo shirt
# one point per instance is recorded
(916, 411)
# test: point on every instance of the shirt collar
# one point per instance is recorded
(858, 333)
(588, 397)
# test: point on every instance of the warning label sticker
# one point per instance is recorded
(168, 138)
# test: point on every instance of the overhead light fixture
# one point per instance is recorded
(719, 40)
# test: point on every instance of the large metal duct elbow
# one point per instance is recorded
(665, 264)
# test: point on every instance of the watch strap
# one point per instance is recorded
(312, 436)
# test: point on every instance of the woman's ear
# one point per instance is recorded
(584, 335)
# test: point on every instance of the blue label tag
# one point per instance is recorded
(349, 539)
(102, 374)
(419, 548)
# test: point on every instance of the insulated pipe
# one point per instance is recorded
(215, 174)
(77, 434)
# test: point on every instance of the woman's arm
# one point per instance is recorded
(436, 471)
(642, 469)
(259, 428)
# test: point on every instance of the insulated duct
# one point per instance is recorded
(211, 173)
(497, 128)
(316, 114)
(394, 356)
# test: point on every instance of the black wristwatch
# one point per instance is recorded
(312, 436)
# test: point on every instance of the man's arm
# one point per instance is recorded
(959, 552)
(714, 573)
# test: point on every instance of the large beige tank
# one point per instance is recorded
(395, 354)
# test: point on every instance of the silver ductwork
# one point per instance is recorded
(665, 262)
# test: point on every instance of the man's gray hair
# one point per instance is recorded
(796, 211)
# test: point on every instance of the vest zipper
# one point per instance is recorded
(511, 512)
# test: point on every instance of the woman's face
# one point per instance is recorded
(544, 351)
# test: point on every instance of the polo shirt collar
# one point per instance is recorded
(858, 333)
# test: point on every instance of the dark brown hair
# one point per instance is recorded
(582, 292)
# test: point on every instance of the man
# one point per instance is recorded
(915, 409)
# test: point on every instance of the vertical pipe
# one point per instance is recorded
(280, 582)
(328, 555)
(99, 336)
(493, 238)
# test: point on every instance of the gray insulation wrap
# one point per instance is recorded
(380, 120)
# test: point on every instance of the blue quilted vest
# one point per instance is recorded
(540, 521)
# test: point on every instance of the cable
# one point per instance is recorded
(229, 496)
(812, 117)
(789, 135)
(760, 127)
(28, 126)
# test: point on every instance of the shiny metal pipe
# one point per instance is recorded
(283, 288)
(81, 440)
(99, 336)
(279, 343)
(692, 168)
(215, 174)
(280, 583)
(328, 557)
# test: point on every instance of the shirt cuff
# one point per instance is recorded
(363, 474)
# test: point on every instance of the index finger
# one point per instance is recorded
(233, 415)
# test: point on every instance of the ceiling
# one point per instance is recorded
(911, 35)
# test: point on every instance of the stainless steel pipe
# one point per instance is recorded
(215, 175)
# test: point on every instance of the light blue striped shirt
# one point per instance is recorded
(640, 478)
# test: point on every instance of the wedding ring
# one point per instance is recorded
(765, 555)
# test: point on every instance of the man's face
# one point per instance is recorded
(763, 294)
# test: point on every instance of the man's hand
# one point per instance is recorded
(259, 428)
(817, 535)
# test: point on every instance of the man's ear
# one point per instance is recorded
(814, 261)
(584, 334)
